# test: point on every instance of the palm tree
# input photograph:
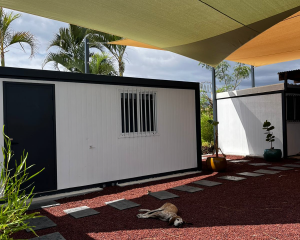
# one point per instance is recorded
(118, 51)
(8, 37)
(70, 42)
(102, 64)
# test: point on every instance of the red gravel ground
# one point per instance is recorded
(265, 207)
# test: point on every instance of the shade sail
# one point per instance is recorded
(132, 43)
(205, 30)
(280, 43)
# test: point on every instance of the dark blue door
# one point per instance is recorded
(29, 118)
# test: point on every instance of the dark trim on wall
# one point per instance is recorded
(55, 139)
(292, 90)
(251, 95)
(57, 76)
(198, 128)
(113, 183)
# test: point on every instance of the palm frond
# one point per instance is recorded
(21, 38)
(57, 59)
(102, 64)
(6, 20)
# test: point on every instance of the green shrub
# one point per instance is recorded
(206, 144)
(207, 130)
(13, 216)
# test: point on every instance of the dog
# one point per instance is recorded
(167, 212)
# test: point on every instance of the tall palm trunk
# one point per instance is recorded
(121, 68)
(2, 56)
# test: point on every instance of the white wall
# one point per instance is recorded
(293, 132)
(88, 128)
(241, 120)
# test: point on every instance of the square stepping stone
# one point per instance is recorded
(291, 165)
(232, 178)
(123, 204)
(81, 212)
(51, 236)
(207, 183)
(163, 195)
(259, 164)
(239, 161)
(43, 204)
(280, 168)
(186, 188)
(40, 223)
(265, 171)
(250, 174)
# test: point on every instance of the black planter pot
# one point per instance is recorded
(272, 155)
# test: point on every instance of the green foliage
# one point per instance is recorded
(206, 144)
(117, 51)
(212, 122)
(71, 52)
(15, 202)
(207, 130)
(9, 37)
(268, 127)
(231, 81)
(102, 64)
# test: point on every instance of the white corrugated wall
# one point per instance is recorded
(293, 144)
(88, 128)
(241, 120)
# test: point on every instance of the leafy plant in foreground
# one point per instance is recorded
(15, 202)
(216, 145)
(270, 137)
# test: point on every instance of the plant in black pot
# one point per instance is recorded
(271, 154)
(217, 164)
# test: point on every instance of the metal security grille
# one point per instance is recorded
(138, 113)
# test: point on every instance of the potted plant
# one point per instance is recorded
(271, 154)
(217, 164)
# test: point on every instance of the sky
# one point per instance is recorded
(140, 62)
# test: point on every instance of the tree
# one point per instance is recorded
(8, 37)
(118, 51)
(240, 72)
(71, 53)
(231, 81)
(70, 42)
(102, 64)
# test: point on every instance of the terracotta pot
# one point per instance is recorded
(216, 164)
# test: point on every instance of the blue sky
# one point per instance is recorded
(141, 63)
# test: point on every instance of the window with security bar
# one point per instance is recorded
(138, 113)
(293, 107)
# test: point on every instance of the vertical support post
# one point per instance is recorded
(252, 76)
(284, 122)
(86, 55)
(198, 127)
(215, 116)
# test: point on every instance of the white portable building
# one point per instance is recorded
(241, 115)
(89, 130)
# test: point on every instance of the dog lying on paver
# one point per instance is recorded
(167, 212)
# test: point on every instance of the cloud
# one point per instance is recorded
(141, 63)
